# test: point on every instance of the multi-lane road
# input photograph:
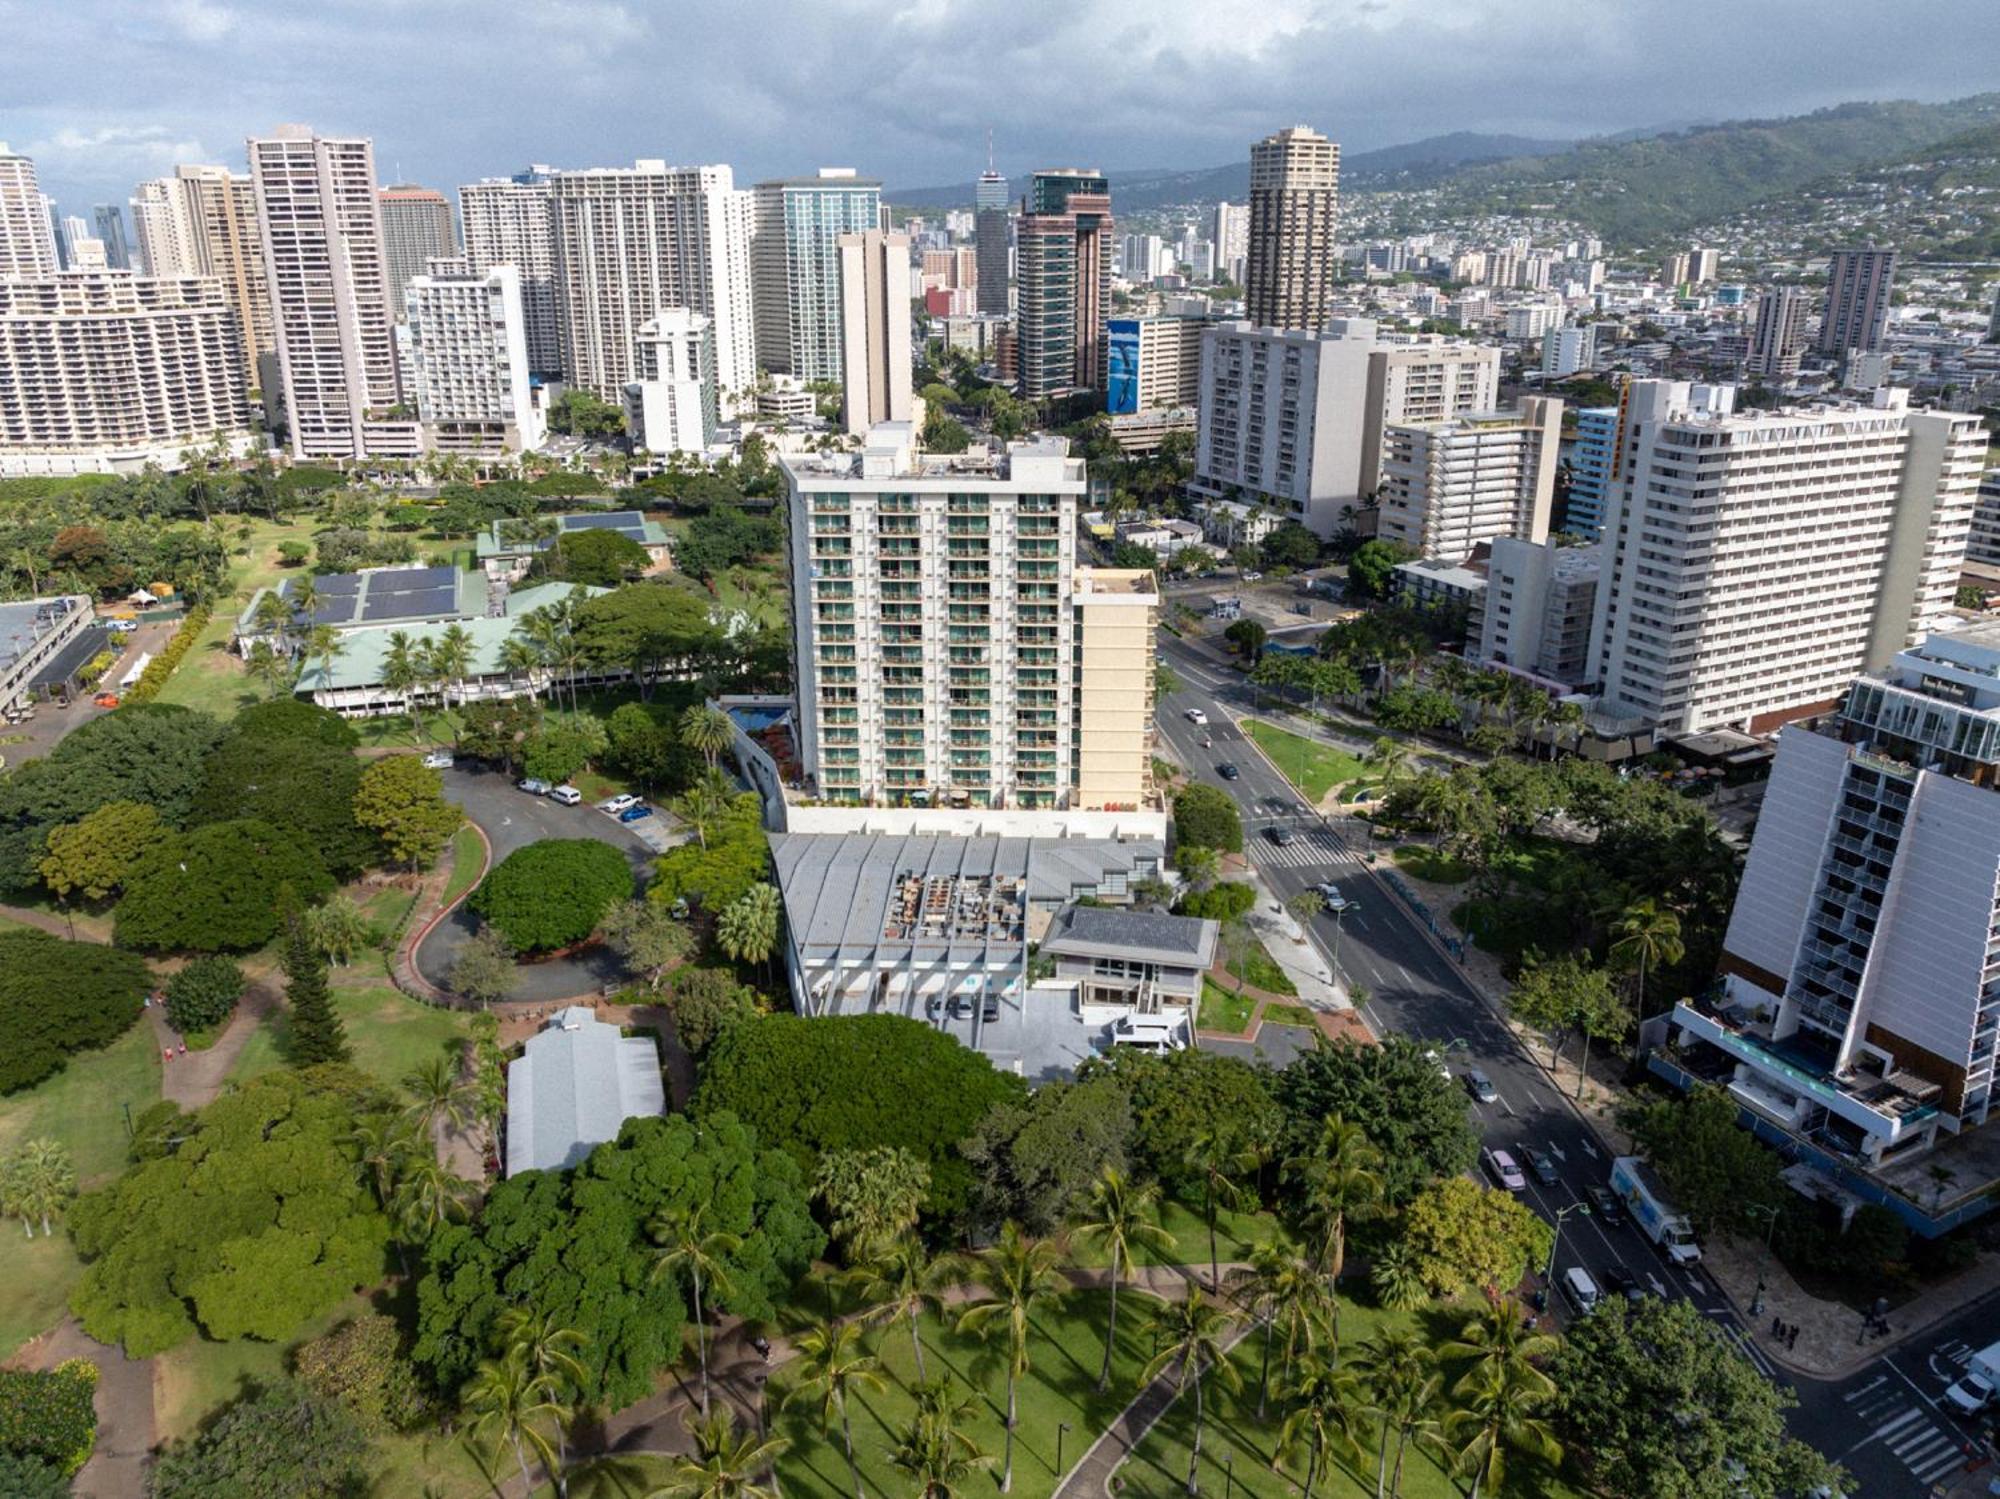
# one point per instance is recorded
(1889, 1433)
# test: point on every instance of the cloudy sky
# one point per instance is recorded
(105, 92)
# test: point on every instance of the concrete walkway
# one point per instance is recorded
(1094, 1470)
(124, 1401)
(196, 1078)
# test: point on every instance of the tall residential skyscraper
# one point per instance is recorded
(875, 328)
(72, 231)
(511, 221)
(1590, 471)
(202, 221)
(1292, 265)
(1063, 273)
(672, 406)
(1449, 485)
(111, 229)
(322, 234)
(1780, 334)
(469, 357)
(634, 241)
(1858, 283)
(796, 255)
(992, 234)
(1229, 227)
(1754, 562)
(416, 229)
(27, 244)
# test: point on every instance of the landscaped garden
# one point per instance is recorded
(1313, 767)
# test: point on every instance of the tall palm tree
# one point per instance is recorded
(1214, 1156)
(1191, 1334)
(47, 1181)
(707, 731)
(903, 1280)
(1327, 1405)
(831, 1362)
(549, 1350)
(1122, 1216)
(934, 1448)
(1497, 1413)
(748, 928)
(1646, 936)
(439, 1092)
(520, 1405)
(324, 644)
(1499, 1337)
(429, 1195)
(1339, 1179)
(403, 673)
(702, 1255)
(1283, 1292)
(724, 1464)
(1020, 1276)
(1404, 1385)
(451, 657)
(522, 661)
(702, 805)
(381, 1143)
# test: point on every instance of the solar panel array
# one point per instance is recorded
(410, 593)
(626, 522)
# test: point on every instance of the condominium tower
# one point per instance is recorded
(1858, 283)
(1449, 485)
(992, 234)
(672, 406)
(1590, 463)
(1063, 283)
(1779, 336)
(511, 221)
(1755, 562)
(1292, 263)
(796, 254)
(110, 221)
(416, 229)
(875, 329)
(27, 244)
(469, 354)
(202, 221)
(322, 239)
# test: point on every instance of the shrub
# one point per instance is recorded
(705, 1002)
(162, 666)
(203, 995)
(50, 1415)
(553, 893)
(1223, 902)
(58, 997)
(1206, 818)
(361, 1365)
(283, 1443)
(31, 1478)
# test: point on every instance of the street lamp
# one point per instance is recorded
(1549, 1275)
(1337, 906)
(1228, 1475)
(1062, 1430)
(1770, 1210)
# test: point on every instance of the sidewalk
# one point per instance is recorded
(1286, 941)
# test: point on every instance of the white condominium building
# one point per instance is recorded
(1423, 378)
(1567, 351)
(469, 353)
(322, 232)
(634, 241)
(27, 240)
(1755, 562)
(1449, 485)
(798, 226)
(1780, 334)
(875, 328)
(510, 221)
(938, 631)
(202, 221)
(672, 406)
(1535, 617)
(107, 371)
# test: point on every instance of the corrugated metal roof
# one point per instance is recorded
(1091, 930)
(575, 1084)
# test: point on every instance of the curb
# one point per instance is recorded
(406, 953)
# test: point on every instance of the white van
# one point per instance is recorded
(568, 796)
(1148, 1033)
(1579, 1289)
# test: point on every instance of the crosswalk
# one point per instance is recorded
(1915, 1435)
(1307, 850)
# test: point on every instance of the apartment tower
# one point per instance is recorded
(511, 221)
(1063, 283)
(993, 235)
(1779, 336)
(27, 244)
(1448, 486)
(202, 221)
(875, 329)
(469, 353)
(1858, 283)
(795, 251)
(1292, 265)
(672, 406)
(416, 229)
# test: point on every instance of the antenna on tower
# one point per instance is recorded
(989, 149)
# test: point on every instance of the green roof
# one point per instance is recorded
(364, 653)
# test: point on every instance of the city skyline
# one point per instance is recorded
(1369, 77)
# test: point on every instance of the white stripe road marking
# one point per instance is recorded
(1931, 1472)
(1897, 1424)
(1853, 1395)
(1923, 1446)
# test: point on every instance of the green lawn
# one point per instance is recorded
(1289, 1015)
(390, 1032)
(1430, 865)
(1254, 965)
(1314, 768)
(1223, 1010)
(468, 854)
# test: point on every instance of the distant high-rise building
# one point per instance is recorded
(510, 221)
(1064, 282)
(1294, 201)
(1590, 471)
(27, 247)
(111, 229)
(1449, 485)
(469, 356)
(1567, 351)
(322, 236)
(796, 259)
(202, 221)
(73, 230)
(1780, 334)
(1993, 320)
(1676, 269)
(416, 229)
(634, 241)
(875, 328)
(672, 406)
(1704, 265)
(1229, 227)
(1858, 283)
(993, 234)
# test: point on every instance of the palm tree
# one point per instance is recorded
(1021, 1276)
(46, 1180)
(271, 667)
(1327, 1403)
(451, 657)
(403, 674)
(1496, 1414)
(723, 1464)
(1404, 1383)
(702, 1255)
(903, 1280)
(506, 1394)
(748, 929)
(1398, 1278)
(1122, 1216)
(549, 1350)
(1339, 1179)
(429, 1195)
(1213, 1155)
(1647, 935)
(522, 661)
(1499, 1337)
(702, 805)
(1279, 1289)
(831, 1362)
(439, 1093)
(707, 731)
(1391, 762)
(381, 1143)
(325, 645)
(1190, 1334)
(933, 1448)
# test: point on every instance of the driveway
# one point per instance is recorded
(512, 819)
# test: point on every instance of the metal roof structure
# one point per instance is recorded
(1150, 936)
(380, 595)
(499, 540)
(575, 1084)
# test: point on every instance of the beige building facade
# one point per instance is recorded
(1117, 612)
(1292, 263)
(202, 221)
(875, 328)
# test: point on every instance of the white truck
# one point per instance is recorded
(1644, 1198)
(1974, 1391)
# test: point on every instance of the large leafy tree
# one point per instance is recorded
(842, 1082)
(549, 894)
(92, 856)
(574, 1245)
(723, 865)
(401, 801)
(1656, 1406)
(283, 1443)
(1036, 1161)
(218, 888)
(257, 1222)
(1205, 817)
(59, 997)
(1176, 1096)
(1466, 1236)
(294, 718)
(302, 787)
(1719, 1173)
(1394, 1094)
(598, 558)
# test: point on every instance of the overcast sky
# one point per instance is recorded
(106, 92)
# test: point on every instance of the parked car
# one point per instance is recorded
(989, 1008)
(438, 760)
(934, 1007)
(1227, 771)
(635, 814)
(106, 700)
(619, 803)
(122, 626)
(1195, 715)
(1541, 1163)
(1604, 1204)
(535, 787)
(1253, 577)
(1283, 837)
(1500, 1165)
(569, 796)
(1580, 1289)
(1621, 1282)
(1479, 1085)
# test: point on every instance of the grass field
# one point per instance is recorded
(1430, 865)
(1289, 1015)
(1255, 966)
(389, 1032)
(211, 677)
(1314, 768)
(468, 863)
(1223, 1010)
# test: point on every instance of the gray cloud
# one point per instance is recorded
(104, 92)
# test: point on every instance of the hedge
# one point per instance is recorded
(161, 667)
(50, 1415)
